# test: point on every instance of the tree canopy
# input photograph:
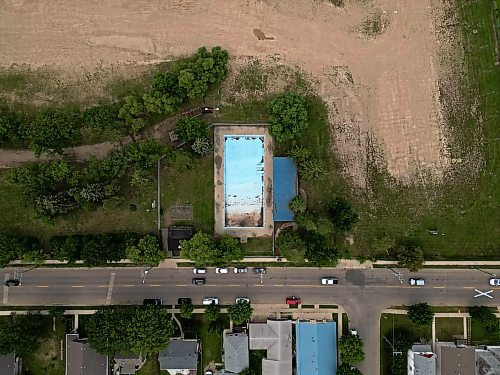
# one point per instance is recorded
(130, 329)
(148, 250)
(287, 116)
(410, 256)
(291, 247)
(240, 312)
(20, 334)
(212, 312)
(186, 310)
(347, 369)
(351, 349)
(342, 214)
(310, 167)
(420, 314)
(204, 251)
(485, 317)
(189, 129)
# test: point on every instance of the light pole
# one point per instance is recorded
(483, 271)
(144, 273)
(396, 274)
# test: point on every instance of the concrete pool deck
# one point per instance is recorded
(220, 132)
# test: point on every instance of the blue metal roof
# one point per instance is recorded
(284, 187)
(316, 348)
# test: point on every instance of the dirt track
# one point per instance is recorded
(383, 86)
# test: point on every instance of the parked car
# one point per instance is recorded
(495, 282)
(417, 281)
(329, 281)
(259, 270)
(292, 300)
(184, 301)
(353, 331)
(152, 301)
(242, 300)
(199, 270)
(220, 270)
(198, 281)
(210, 301)
(12, 282)
(240, 270)
(209, 372)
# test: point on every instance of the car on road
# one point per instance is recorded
(12, 282)
(184, 301)
(240, 270)
(152, 301)
(210, 301)
(329, 281)
(259, 270)
(417, 281)
(209, 372)
(495, 282)
(198, 281)
(292, 300)
(353, 331)
(242, 300)
(199, 270)
(220, 270)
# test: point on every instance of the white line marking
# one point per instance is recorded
(110, 288)
(5, 298)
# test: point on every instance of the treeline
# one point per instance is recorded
(93, 250)
(52, 129)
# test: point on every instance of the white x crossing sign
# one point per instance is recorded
(485, 294)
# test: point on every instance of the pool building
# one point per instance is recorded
(252, 189)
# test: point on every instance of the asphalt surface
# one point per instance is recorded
(363, 293)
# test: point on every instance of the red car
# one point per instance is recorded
(293, 300)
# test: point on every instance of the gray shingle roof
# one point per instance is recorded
(179, 355)
(81, 359)
(236, 357)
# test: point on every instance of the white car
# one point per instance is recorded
(210, 301)
(199, 270)
(495, 282)
(240, 270)
(417, 281)
(242, 300)
(329, 281)
(221, 270)
(353, 331)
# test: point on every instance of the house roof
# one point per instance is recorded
(316, 348)
(488, 360)
(81, 359)
(179, 355)
(284, 187)
(236, 357)
(275, 336)
(8, 364)
(422, 359)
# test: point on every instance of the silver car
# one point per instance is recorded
(495, 282)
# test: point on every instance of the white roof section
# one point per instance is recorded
(421, 360)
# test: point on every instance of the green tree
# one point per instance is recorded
(57, 312)
(129, 329)
(186, 310)
(12, 126)
(212, 312)
(216, 326)
(420, 314)
(347, 369)
(485, 316)
(200, 249)
(20, 334)
(11, 249)
(52, 129)
(101, 117)
(202, 146)
(287, 116)
(310, 168)
(148, 250)
(298, 205)
(158, 102)
(342, 214)
(189, 129)
(320, 251)
(240, 312)
(410, 256)
(351, 349)
(291, 247)
(230, 250)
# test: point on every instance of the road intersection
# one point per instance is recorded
(363, 293)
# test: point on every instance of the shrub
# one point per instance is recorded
(310, 168)
(298, 205)
(101, 117)
(342, 214)
(287, 116)
(202, 146)
(291, 247)
(189, 129)
(420, 314)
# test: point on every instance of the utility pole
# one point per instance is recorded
(397, 274)
(483, 271)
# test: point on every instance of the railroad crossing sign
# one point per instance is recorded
(486, 294)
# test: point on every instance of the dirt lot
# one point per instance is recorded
(379, 77)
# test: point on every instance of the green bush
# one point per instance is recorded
(101, 117)
(298, 205)
(291, 247)
(189, 129)
(287, 116)
(310, 168)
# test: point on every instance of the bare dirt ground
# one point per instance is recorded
(379, 80)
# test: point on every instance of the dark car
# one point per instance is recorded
(12, 282)
(259, 270)
(152, 301)
(198, 281)
(184, 301)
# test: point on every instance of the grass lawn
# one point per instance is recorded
(446, 328)
(258, 246)
(151, 367)
(397, 321)
(47, 359)
(481, 336)
(255, 360)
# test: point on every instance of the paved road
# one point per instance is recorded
(363, 293)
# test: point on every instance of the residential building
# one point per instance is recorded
(316, 344)
(455, 359)
(236, 356)
(9, 364)
(180, 357)
(128, 364)
(421, 360)
(81, 359)
(275, 336)
(488, 360)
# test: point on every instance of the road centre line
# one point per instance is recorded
(439, 287)
(77, 286)
(181, 285)
(155, 285)
(43, 286)
(233, 285)
(128, 285)
(278, 284)
(258, 285)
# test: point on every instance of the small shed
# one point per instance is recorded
(174, 236)
(285, 187)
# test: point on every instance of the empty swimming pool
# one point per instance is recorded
(243, 180)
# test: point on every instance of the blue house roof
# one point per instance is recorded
(284, 187)
(316, 348)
